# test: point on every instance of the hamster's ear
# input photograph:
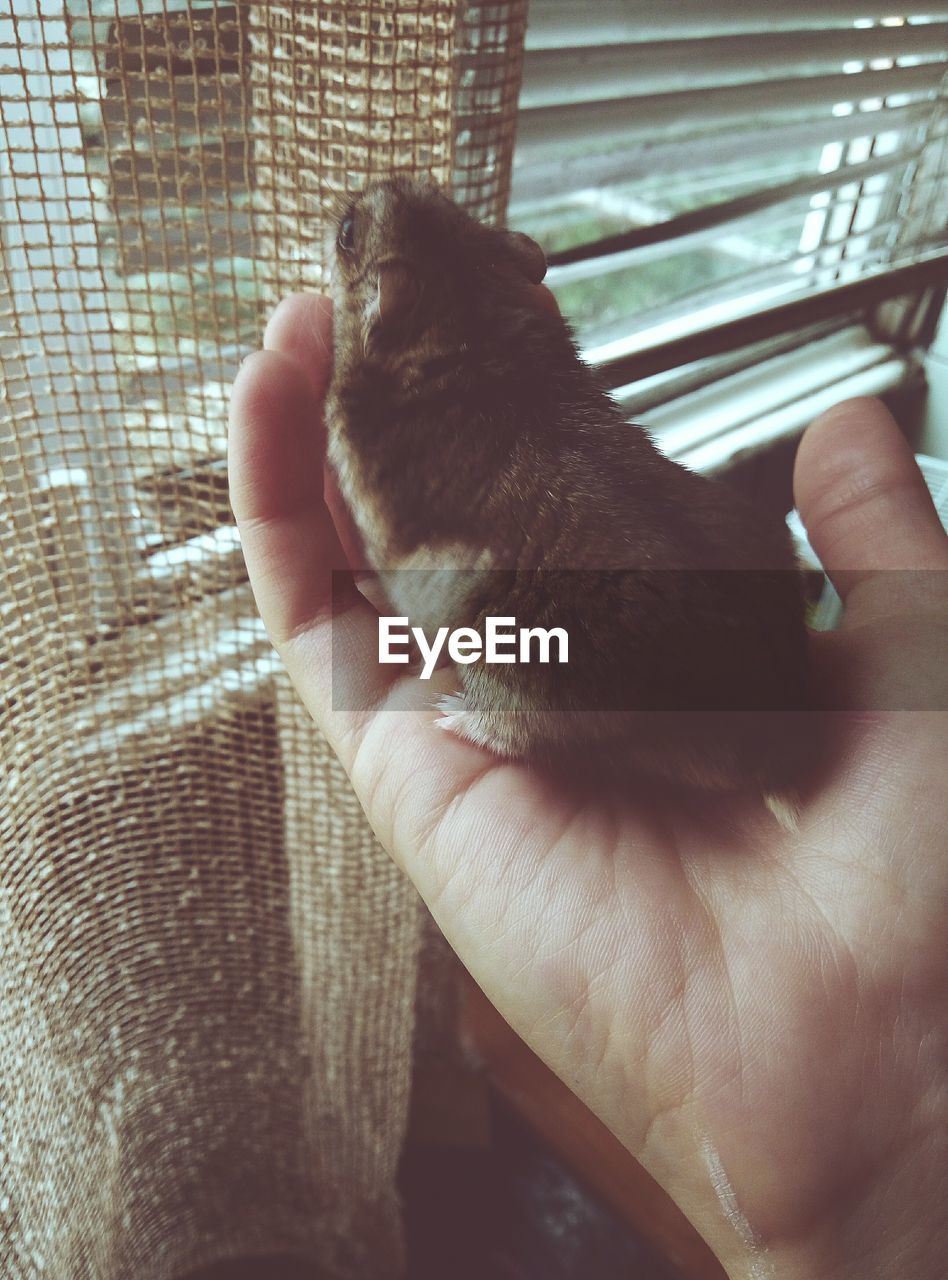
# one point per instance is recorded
(527, 254)
(396, 295)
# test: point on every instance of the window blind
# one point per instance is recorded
(711, 175)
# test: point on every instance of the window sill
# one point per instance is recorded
(749, 410)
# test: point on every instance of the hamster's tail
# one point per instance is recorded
(785, 806)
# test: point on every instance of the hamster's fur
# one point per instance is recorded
(489, 474)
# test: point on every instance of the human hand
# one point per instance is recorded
(761, 1019)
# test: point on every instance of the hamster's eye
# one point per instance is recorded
(346, 237)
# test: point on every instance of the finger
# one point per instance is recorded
(867, 509)
(301, 328)
(346, 528)
(290, 545)
(275, 471)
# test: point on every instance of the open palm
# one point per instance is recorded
(761, 1019)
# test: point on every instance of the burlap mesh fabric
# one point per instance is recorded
(207, 965)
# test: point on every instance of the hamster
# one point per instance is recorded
(490, 476)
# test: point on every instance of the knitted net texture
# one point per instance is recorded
(207, 965)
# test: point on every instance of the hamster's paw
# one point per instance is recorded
(465, 724)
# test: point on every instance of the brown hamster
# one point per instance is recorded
(489, 475)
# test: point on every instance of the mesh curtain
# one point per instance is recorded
(207, 965)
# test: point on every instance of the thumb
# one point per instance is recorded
(867, 510)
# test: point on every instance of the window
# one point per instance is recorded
(693, 166)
